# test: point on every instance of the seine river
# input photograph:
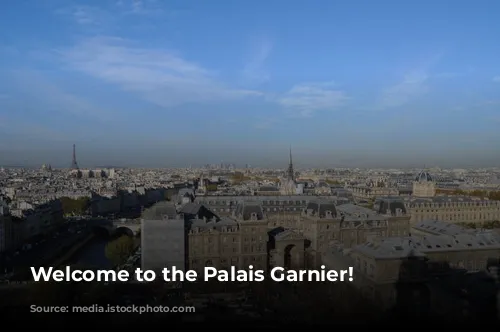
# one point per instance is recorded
(93, 254)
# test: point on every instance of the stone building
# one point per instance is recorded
(434, 250)
(277, 205)
(423, 204)
(424, 186)
(6, 226)
(163, 244)
(288, 186)
(453, 209)
(294, 238)
(35, 221)
(351, 225)
(370, 192)
(238, 241)
(268, 190)
(286, 249)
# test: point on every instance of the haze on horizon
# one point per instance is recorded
(179, 83)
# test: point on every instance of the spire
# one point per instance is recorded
(74, 164)
(290, 173)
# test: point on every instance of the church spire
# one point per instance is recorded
(290, 173)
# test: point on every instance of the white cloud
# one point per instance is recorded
(83, 16)
(496, 79)
(55, 99)
(254, 70)
(412, 86)
(305, 99)
(86, 15)
(106, 18)
(159, 76)
(140, 7)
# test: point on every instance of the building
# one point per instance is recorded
(435, 255)
(240, 240)
(348, 224)
(250, 236)
(288, 186)
(163, 244)
(423, 204)
(6, 225)
(370, 192)
(453, 209)
(424, 186)
(36, 220)
(274, 206)
(202, 239)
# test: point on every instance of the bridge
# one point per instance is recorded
(129, 227)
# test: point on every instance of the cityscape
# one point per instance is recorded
(222, 216)
(321, 137)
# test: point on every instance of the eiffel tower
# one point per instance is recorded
(74, 164)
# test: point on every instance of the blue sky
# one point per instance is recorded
(170, 83)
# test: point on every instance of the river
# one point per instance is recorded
(93, 254)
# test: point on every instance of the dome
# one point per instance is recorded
(423, 177)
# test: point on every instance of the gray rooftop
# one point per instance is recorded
(437, 227)
(354, 210)
(191, 208)
(399, 247)
(216, 224)
(159, 211)
(322, 208)
(249, 210)
(390, 205)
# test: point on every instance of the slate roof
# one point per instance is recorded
(246, 209)
(321, 208)
(159, 210)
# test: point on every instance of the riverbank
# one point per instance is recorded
(93, 253)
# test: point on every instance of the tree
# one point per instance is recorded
(239, 177)
(72, 206)
(211, 187)
(118, 250)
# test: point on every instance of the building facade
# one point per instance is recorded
(5, 227)
(436, 253)
(296, 237)
(454, 209)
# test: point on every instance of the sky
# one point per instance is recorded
(176, 83)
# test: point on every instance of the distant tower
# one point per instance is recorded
(290, 174)
(74, 164)
(288, 185)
